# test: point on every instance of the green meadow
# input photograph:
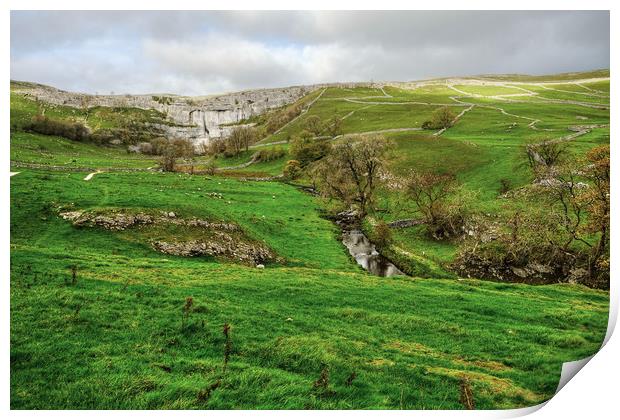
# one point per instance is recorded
(101, 320)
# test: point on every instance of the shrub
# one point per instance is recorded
(442, 118)
(158, 145)
(439, 201)
(282, 117)
(102, 136)
(292, 170)
(175, 149)
(314, 125)
(306, 149)
(268, 155)
(68, 129)
(216, 147)
(210, 167)
(382, 235)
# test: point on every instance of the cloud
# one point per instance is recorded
(203, 52)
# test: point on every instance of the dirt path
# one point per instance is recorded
(579, 131)
(387, 130)
(454, 121)
(91, 175)
(273, 143)
(357, 101)
(387, 95)
(532, 124)
(301, 113)
(596, 95)
(252, 161)
(355, 110)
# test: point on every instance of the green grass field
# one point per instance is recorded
(98, 319)
(115, 339)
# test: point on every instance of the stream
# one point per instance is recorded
(367, 256)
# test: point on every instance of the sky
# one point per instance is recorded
(206, 52)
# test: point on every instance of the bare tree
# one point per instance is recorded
(240, 139)
(334, 126)
(441, 203)
(174, 150)
(429, 192)
(351, 171)
(543, 155)
(314, 124)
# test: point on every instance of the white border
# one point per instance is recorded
(593, 393)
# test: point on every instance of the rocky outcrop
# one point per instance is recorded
(203, 238)
(196, 118)
(221, 246)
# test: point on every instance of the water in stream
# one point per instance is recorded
(367, 256)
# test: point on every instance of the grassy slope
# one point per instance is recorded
(31, 148)
(549, 77)
(115, 339)
(23, 109)
(408, 340)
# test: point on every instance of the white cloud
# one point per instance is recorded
(211, 52)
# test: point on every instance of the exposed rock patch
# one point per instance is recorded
(199, 238)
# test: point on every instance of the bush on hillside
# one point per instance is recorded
(441, 203)
(174, 150)
(382, 235)
(442, 118)
(268, 155)
(306, 149)
(314, 125)
(68, 129)
(293, 169)
(282, 117)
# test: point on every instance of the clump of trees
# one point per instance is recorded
(306, 149)
(69, 129)
(351, 172)
(281, 118)
(564, 234)
(239, 140)
(292, 169)
(439, 201)
(332, 127)
(173, 151)
(269, 154)
(441, 118)
(313, 125)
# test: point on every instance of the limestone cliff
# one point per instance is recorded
(196, 118)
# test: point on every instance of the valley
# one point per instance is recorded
(223, 282)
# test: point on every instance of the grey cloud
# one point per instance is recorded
(211, 51)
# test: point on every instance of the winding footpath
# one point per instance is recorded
(91, 175)
(301, 113)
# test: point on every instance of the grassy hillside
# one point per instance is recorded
(101, 319)
(117, 339)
